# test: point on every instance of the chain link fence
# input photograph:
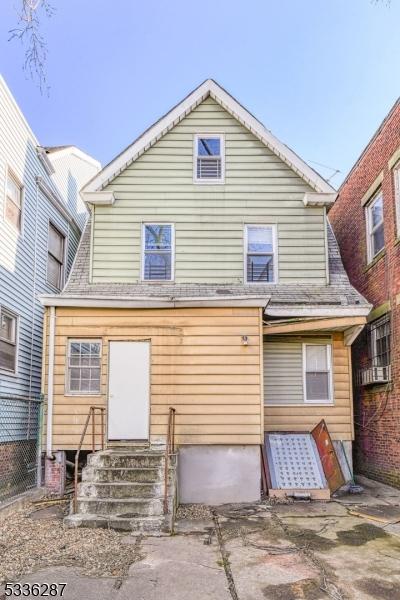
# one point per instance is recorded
(20, 425)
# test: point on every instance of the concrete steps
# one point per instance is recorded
(124, 489)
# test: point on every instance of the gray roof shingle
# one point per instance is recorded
(338, 293)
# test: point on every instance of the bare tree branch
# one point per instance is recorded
(28, 33)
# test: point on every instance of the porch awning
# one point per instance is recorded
(351, 326)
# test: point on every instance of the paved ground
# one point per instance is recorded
(295, 551)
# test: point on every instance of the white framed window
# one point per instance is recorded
(158, 241)
(55, 257)
(209, 158)
(14, 201)
(375, 226)
(84, 367)
(317, 373)
(260, 254)
(8, 340)
(396, 176)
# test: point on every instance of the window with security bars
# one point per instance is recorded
(260, 254)
(157, 259)
(379, 341)
(209, 164)
(55, 257)
(84, 367)
(13, 209)
(317, 373)
(8, 340)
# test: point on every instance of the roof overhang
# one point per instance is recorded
(55, 199)
(44, 159)
(319, 199)
(351, 326)
(105, 198)
(153, 301)
(207, 89)
(318, 311)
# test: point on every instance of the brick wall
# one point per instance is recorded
(377, 408)
(55, 473)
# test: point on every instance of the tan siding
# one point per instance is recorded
(339, 417)
(209, 219)
(198, 365)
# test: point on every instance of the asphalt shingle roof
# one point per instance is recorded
(338, 293)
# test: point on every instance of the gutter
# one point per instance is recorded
(153, 301)
(56, 201)
(50, 386)
(320, 311)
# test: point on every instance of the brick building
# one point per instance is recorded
(366, 221)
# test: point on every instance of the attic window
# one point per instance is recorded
(209, 158)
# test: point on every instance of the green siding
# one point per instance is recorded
(209, 219)
(283, 369)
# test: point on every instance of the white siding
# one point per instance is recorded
(23, 257)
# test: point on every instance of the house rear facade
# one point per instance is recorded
(207, 280)
(40, 229)
(368, 210)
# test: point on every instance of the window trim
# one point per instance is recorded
(328, 347)
(370, 230)
(274, 228)
(396, 184)
(142, 252)
(63, 270)
(14, 315)
(67, 391)
(210, 134)
(10, 174)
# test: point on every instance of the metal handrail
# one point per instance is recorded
(91, 413)
(169, 450)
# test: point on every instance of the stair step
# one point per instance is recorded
(121, 490)
(124, 489)
(115, 474)
(128, 460)
(127, 508)
(154, 525)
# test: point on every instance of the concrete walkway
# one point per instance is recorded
(314, 551)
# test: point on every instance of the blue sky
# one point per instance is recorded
(320, 74)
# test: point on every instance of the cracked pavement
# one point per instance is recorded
(312, 551)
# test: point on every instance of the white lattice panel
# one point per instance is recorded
(295, 462)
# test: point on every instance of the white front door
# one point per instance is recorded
(129, 391)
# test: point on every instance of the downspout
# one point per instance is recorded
(50, 385)
(326, 224)
(34, 299)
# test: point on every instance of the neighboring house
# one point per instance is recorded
(207, 280)
(41, 220)
(366, 220)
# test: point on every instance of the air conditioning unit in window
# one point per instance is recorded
(374, 375)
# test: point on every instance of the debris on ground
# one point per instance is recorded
(29, 543)
(274, 500)
(193, 511)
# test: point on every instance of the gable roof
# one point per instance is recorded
(208, 88)
(56, 152)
